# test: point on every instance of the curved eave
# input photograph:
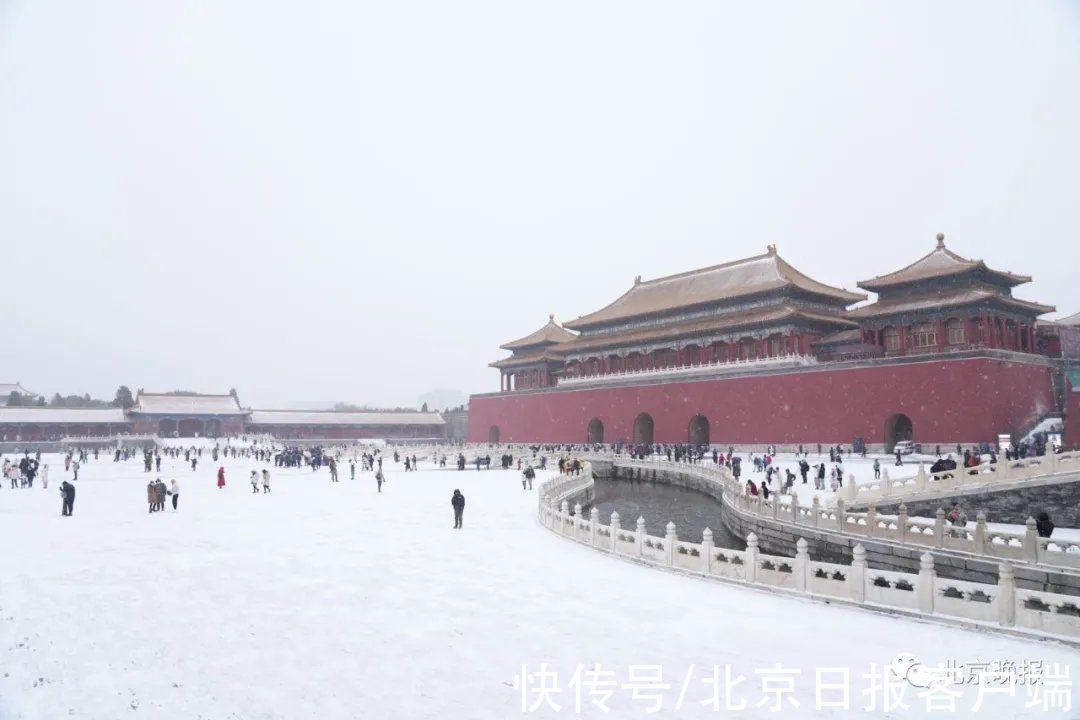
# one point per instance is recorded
(886, 282)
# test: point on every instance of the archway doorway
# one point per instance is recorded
(167, 428)
(596, 431)
(190, 427)
(897, 428)
(493, 434)
(699, 430)
(643, 429)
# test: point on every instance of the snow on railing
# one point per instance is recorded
(930, 485)
(790, 360)
(1001, 605)
(937, 533)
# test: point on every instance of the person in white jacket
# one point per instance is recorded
(266, 480)
(45, 476)
(174, 490)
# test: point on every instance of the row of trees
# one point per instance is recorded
(122, 399)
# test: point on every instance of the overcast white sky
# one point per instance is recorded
(361, 200)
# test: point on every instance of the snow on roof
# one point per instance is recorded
(933, 301)
(1071, 320)
(330, 417)
(732, 280)
(8, 388)
(757, 318)
(941, 262)
(72, 416)
(163, 404)
(550, 333)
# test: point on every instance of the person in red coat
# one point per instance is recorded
(221, 477)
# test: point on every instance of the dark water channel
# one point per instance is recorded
(659, 503)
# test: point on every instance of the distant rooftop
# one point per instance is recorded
(169, 404)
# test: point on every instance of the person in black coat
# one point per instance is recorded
(1043, 525)
(67, 492)
(458, 503)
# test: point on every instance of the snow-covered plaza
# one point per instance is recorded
(332, 600)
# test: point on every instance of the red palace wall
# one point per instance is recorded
(965, 400)
(1072, 417)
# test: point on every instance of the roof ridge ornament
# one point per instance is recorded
(941, 241)
(771, 250)
(637, 279)
(551, 317)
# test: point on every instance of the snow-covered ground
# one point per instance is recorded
(327, 601)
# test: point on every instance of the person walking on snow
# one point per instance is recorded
(220, 476)
(527, 477)
(458, 503)
(45, 476)
(67, 492)
(379, 479)
(254, 481)
(266, 480)
(174, 490)
(151, 495)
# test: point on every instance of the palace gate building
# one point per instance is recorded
(199, 415)
(755, 352)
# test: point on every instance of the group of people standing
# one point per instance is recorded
(156, 492)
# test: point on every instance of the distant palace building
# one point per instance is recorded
(197, 415)
(756, 352)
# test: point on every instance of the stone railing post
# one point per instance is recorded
(857, 576)
(1006, 595)
(706, 551)
(815, 510)
(980, 533)
(794, 508)
(1050, 460)
(751, 558)
(841, 515)
(670, 538)
(775, 506)
(565, 516)
(640, 533)
(920, 479)
(801, 565)
(939, 528)
(615, 530)
(577, 521)
(902, 523)
(851, 490)
(1002, 467)
(871, 520)
(594, 520)
(925, 588)
(886, 482)
(1031, 541)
